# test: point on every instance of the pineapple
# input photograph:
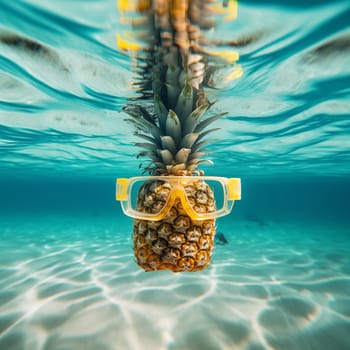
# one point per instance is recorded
(176, 243)
(173, 71)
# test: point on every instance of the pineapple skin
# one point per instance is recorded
(175, 243)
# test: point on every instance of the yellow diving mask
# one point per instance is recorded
(152, 197)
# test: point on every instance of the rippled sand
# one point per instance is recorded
(68, 284)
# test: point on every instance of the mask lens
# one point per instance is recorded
(205, 196)
(149, 196)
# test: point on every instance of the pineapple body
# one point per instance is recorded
(177, 242)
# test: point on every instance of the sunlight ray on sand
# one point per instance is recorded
(263, 291)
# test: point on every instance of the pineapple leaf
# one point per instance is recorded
(184, 103)
(146, 145)
(153, 156)
(145, 126)
(166, 156)
(136, 111)
(189, 140)
(159, 165)
(195, 155)
(191, 121)
(173, 93)
(151, 167)
(202, 125)
(173, 126)
(161, 112)
(199, 145)
(156, 86)
(169, 144)
(205, 133)
(146, 137)
(172, 74)
(200, 161)
(182, 155)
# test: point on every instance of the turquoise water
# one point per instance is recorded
(68, 280)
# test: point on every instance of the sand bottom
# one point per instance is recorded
(68, 284)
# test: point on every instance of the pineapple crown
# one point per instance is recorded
(174, 137)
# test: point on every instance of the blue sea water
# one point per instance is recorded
(68, 279)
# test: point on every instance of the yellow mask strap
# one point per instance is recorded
(122, 189)
(234, 189)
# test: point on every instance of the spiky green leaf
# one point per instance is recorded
(203, 124)
(206, 133)
(172, 74)
(182, 155)
(173, 126)
(198, 146)
(153, 156)
(143, 125)
(184, 105)
(191, 121)
(188, 140)
(137, 111)
(167, 157)
(161, 112)
(172, 93)
(147, 138)
(195, 155)
(169, 144)
(146, 145)
(200, 161)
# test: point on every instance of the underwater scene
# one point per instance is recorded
(92, 91)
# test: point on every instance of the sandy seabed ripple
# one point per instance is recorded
(72, 284)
